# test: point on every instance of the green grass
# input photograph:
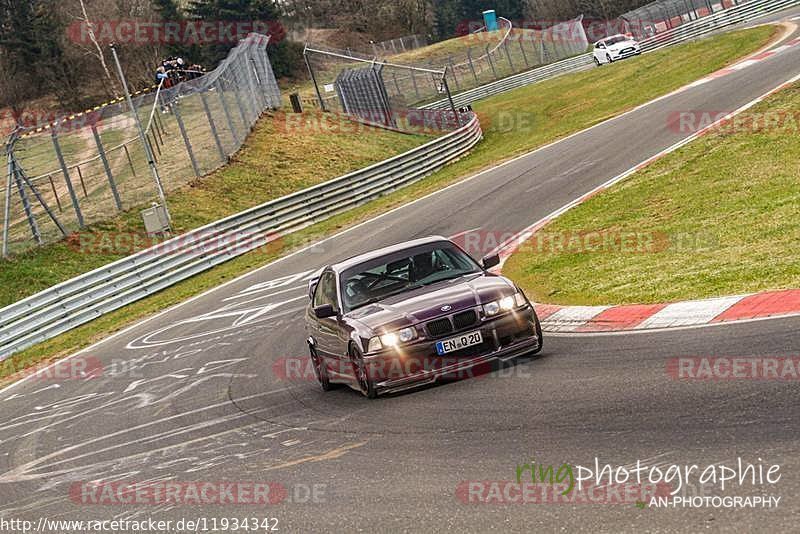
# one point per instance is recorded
(721, 213)
(272, 163)
(551, 106)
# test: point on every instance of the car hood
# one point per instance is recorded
(623, 45)
(426, 303)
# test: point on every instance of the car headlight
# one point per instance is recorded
(392, 339)
(505, 304)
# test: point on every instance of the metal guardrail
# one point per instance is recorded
(680, 34)
(86, 297)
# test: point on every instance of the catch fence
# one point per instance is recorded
(87, 167)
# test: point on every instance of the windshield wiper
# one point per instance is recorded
(375, 300)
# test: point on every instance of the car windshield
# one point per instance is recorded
(404, 271)
(616, 39)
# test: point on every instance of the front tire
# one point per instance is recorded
(365, 383)
(597, 62)
(608, 57)
(321, 370)
(538, 327)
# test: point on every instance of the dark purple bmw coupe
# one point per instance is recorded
(412, 314)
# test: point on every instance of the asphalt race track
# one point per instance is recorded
(208, 391)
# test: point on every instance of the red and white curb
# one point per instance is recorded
(658, 316)
(748, 62)
(679, 314)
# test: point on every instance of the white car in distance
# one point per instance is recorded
(615, 48)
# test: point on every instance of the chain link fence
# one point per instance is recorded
(84, 169)
(456, 66)
(664, 15)
(399, 45)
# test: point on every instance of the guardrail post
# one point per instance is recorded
(106, 167)
(186, 142)
(213, 127)
(63, 164)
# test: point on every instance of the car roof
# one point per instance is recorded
(361, 258)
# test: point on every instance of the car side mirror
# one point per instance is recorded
(325, 311)
(493, 260)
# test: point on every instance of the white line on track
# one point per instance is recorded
(363, 223)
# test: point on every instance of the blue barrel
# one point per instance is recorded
(490, 20)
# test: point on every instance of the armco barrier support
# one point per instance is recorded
(81, 299)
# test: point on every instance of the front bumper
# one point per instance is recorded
(505, 337)
(627, 54)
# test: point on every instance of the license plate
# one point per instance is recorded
(457, 343)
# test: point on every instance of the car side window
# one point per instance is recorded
(326, 290)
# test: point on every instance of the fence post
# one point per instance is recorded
(414, 83)
(508, 55)
(471, 65)
(222, 155)
(63, 164)
(453, 69)
(107, 167)
(39, 197)
(185, 136)
(236, 139)
(83, 185)
(240, 105)
(130, 161)
(7, 207)
(314, 79)
(26, 206)
(522, 49)
(491, 63)
(55, 193)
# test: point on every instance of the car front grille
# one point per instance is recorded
(454, 323)
(465, 319)
(439, 327)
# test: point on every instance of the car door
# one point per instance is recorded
(600, 52)
(329, 330)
